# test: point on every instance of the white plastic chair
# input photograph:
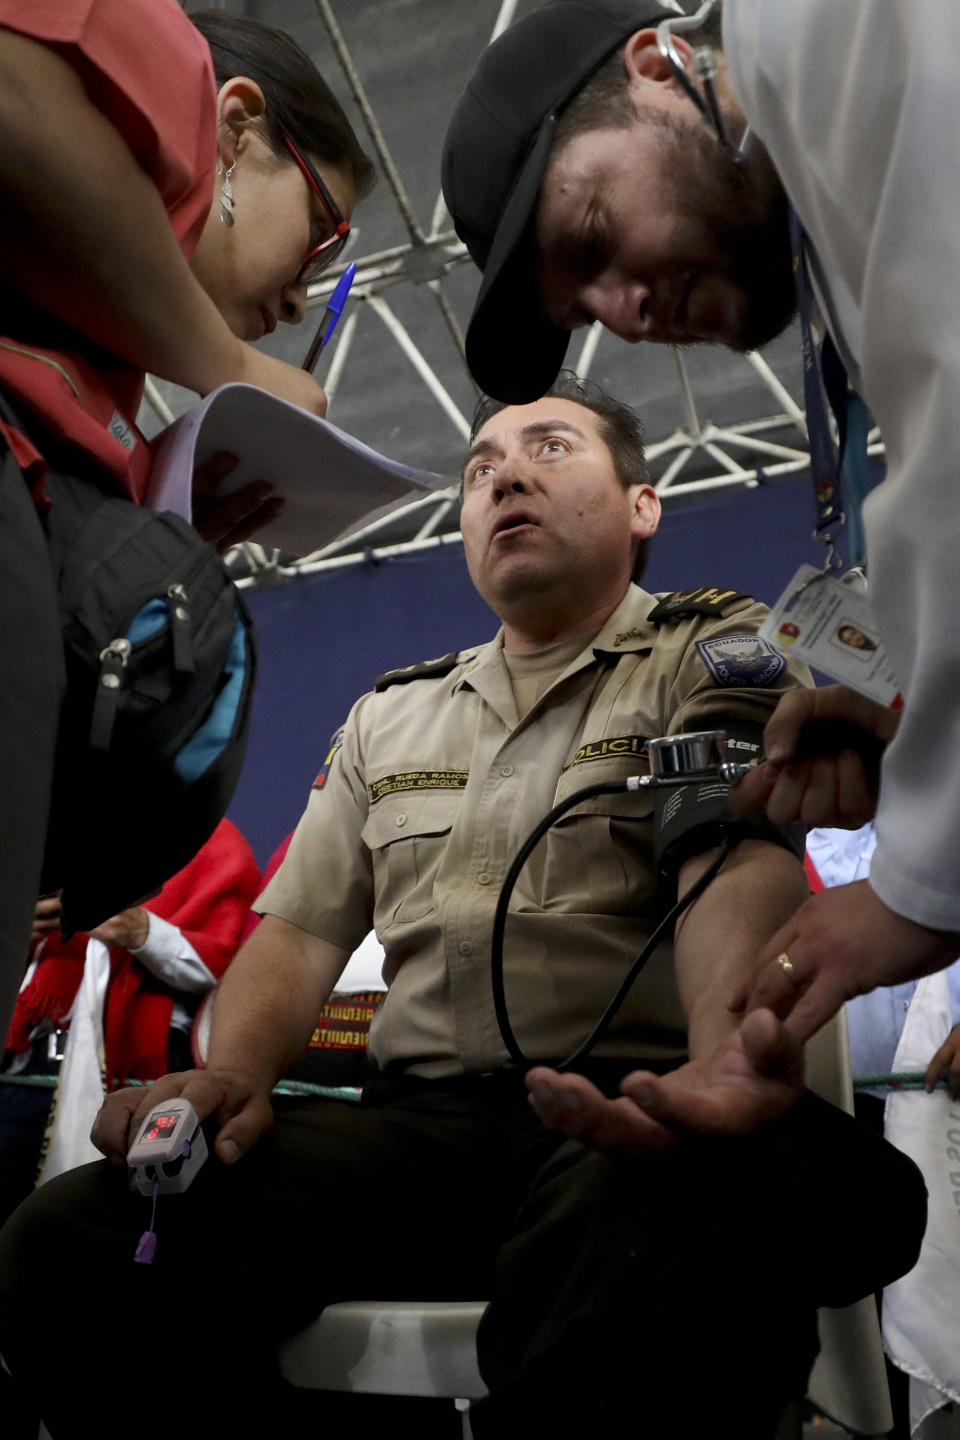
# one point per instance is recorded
(390, 1347)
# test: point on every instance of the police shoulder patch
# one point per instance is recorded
(336, 740)
(705, 600)
(741, 660)
(425, 670)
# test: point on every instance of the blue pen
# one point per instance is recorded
(330, 316)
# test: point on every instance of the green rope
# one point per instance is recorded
(285, 1087)
(898, 1080)
(328, 1092)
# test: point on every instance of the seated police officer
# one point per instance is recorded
(624, 1258)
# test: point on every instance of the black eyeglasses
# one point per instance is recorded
(320, 256)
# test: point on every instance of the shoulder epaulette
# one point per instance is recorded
(425, 670)
(705, 600)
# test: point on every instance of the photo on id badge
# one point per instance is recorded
(853, 638)
(827, 623)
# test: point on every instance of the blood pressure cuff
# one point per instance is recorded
(689, 819)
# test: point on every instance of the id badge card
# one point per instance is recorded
(828, 624)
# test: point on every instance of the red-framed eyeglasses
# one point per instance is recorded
(324, 254)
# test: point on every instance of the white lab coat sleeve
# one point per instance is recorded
(854, 102)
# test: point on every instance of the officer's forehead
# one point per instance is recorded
(550, 412)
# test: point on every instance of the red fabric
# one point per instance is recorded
(273, 865)
(149, 71)
(813, 877)
(208, 901)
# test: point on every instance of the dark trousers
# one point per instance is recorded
(31, 684)
(24, 1111)
(649, 1296)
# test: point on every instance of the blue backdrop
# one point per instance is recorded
(325, 638)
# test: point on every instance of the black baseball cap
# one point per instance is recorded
(493, 162)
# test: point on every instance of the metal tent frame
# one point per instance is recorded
(698, 457)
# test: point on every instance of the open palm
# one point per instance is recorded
(752, 1077)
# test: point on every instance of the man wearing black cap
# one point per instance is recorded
(557, 214)
(586, 186)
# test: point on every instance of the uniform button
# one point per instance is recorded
(401, 820)
(483, 878)
(465, 947)
(506, 771)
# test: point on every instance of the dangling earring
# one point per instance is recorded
(227, 201)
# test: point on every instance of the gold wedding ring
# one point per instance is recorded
(787, 966)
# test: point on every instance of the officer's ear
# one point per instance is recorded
(644, 511)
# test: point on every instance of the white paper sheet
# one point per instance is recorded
(331, 482)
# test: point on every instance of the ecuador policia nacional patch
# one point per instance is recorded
(741, 660)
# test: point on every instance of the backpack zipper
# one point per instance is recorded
(113, 664)
(180, 629)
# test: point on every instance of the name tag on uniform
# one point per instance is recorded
(418, 780)
(827, 623)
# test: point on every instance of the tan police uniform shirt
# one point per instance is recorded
(436, 784)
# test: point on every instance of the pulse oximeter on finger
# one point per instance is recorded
(169, 1149)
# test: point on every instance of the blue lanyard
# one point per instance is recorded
(839, 469)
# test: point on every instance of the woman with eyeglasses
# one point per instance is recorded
(167, 191)
(289, 170)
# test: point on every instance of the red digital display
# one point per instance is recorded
(163, 1127)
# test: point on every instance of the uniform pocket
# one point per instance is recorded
(599, 855)
(407, 835)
